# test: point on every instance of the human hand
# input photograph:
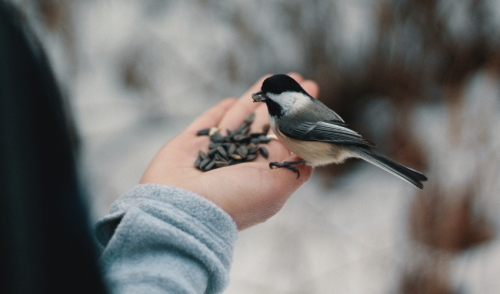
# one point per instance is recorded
(249, 192)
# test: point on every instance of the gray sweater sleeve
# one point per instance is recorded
(161, 239)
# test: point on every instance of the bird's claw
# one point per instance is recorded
(287, 164)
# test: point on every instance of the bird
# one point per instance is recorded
(317, 134)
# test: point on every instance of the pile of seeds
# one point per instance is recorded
(237, 147)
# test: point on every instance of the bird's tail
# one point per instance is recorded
(403, 172)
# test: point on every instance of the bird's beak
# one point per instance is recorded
(259, 97)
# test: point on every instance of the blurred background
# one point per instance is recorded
(419, 77)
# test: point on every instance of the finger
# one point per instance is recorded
(213, 116)
(296, 76)
(261, 118)
(311, 88)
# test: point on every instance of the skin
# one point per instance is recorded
(249, 192)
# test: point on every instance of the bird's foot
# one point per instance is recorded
(288, 164)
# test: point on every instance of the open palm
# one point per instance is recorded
(250, 192)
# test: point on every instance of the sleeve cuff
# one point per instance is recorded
(184, 221)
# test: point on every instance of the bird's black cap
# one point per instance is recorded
(280, 83)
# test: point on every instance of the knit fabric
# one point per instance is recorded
(162, 239)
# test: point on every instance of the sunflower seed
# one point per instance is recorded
(212, 152)
(252, 148)
(265, 129)
(236, 156)
(203, 155)
(216, 137)
(222, 151)
(209, 166)
(255, 140)
(203, 132)
(197, 162)
(240, 137)
(213, 130)
(251, 156)
(212, 145)
(243, 151)
(231, 149)
(263, 151)
(264, 139)
(242, 130)
(237, 147)
(245, 130)
(221, 164)
(204, 163)
(250, 118)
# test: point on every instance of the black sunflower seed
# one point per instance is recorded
(255, 140)
(209, 166)
(250, 118)
(203, 155)
(245, 130)
(203, 132)
(265, 129)
(231, 149)
(216, 137)
(251, 156)
(221, 164)
(212, 145)
(263, 151)
(243, 151)
(237, 147)
(240, 137)
(252, 148)
(212, 152)
(204, 163)
(264, 139)
(222, 151)
(198, 161)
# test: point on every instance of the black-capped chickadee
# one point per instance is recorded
(317, 134)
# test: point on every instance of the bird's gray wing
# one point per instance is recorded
(333, 131)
